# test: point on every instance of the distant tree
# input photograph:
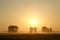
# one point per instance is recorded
(31, 29)
(35, 29)
(45, 29)
(12, 28)
(50, 29)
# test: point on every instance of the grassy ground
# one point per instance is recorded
(29, 36)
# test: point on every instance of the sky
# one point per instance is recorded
(21, 12)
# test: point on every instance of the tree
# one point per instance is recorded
(35, 29)
(50, 29)
(12, 28)
(45, 29)
(31, 29)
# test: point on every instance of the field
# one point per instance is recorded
(6, 36)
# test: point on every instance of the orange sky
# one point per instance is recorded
(20, 13)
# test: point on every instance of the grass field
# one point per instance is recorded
(6, 36)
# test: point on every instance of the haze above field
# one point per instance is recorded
(21, 12)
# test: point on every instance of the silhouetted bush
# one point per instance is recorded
(45, 29)
(12, 28)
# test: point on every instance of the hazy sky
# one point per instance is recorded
(20, 12)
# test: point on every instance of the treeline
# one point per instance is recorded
(14, 29)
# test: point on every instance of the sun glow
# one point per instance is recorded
(33, 23)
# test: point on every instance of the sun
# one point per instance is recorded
(34, 22)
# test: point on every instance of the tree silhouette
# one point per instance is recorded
(50, 29)
(31, 29)
(45, 29)
(35, 29)
(12, 28)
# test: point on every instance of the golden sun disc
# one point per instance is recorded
(34, 22)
